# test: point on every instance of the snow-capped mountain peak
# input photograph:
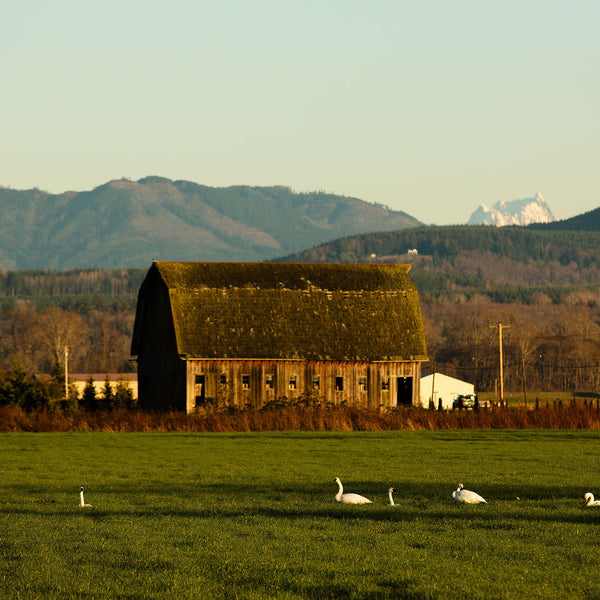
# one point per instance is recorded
(513, 212)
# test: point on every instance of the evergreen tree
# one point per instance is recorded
(107, 400)
(20, 388)
(70, 405)
(124, 396)
(4, 388)
(89, 400)
(58, 374)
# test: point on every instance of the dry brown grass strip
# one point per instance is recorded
(575, 416)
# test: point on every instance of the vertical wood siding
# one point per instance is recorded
(243, 383)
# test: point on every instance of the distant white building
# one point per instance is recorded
(437, 386)
(80, 380)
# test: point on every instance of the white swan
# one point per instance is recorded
(82, 503)
(349, 498)
(390, 492)
(462, 495)
(589, 500)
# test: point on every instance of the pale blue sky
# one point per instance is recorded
(429, 107)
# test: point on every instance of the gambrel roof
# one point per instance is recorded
(346, 312)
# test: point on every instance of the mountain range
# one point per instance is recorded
(128, 224)
(514, 212)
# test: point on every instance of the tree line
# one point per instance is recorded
(106, 284)
(27, 391)
(545, 346)
(551, 336)
(98, 340)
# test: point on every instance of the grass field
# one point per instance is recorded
(253, 516)
(518, 398)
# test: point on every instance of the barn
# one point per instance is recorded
(244, 335)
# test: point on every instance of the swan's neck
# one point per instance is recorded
(338, 496)
(391, 499)
(590, 500)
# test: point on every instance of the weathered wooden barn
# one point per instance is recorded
(246, 334)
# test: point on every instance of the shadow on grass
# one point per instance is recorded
(400, 590)
(426, 502)
(422, 494)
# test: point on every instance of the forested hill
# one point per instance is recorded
(127, 224)
(449, 242)
(589, 221)
(501, 263)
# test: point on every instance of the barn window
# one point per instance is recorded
(199, 390)
(385, 384)
(293, 383)
(362, 384)
(223, 380)
(269, 382)
(339, 384)
(316, 382)
(245, 382)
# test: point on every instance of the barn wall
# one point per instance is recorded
(255, 383)
(161, 373)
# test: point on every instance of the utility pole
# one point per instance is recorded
(433, 384)
(524, 378)
(66, 372)
(500, 326)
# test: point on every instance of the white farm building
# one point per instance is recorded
(442, 387)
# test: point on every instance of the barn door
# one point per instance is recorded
(199, 391)
(404, 391)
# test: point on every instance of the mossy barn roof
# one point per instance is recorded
(346, 312)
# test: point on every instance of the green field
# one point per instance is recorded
(254, 516)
